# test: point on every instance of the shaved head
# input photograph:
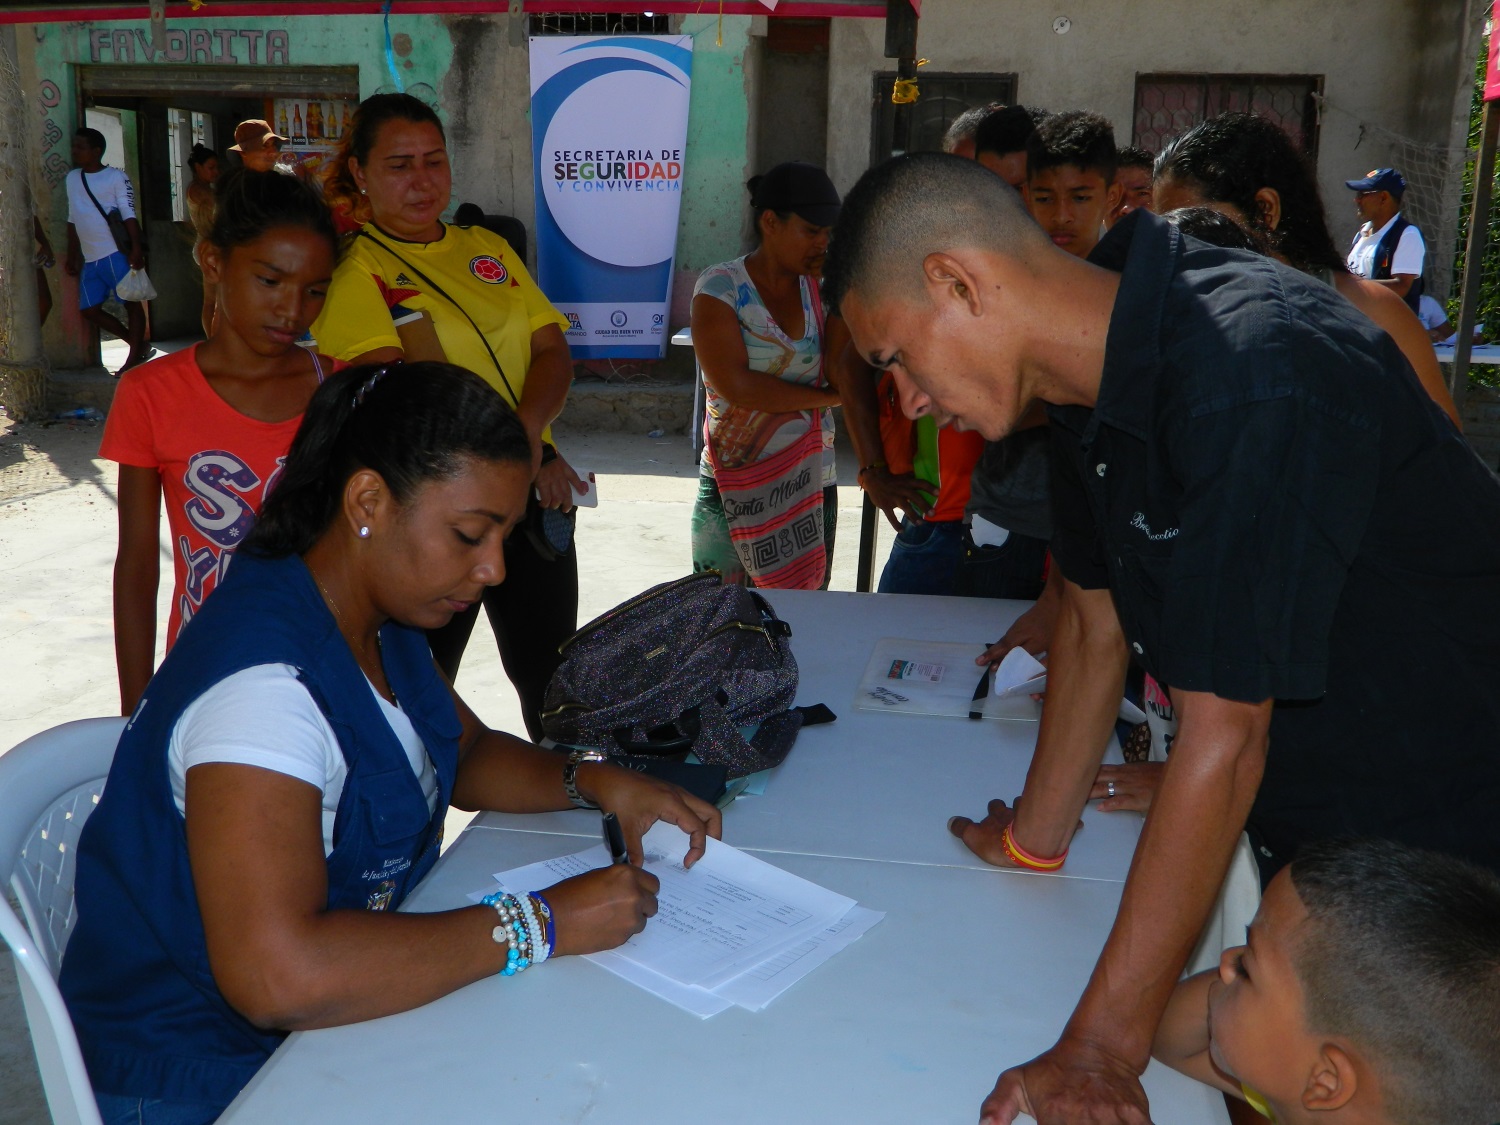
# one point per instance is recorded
(916, 205)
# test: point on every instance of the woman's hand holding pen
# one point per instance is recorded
(601, 909)
(640, 801)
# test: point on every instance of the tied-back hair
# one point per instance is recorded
(758, 206)
(1231, 157)
(1400, 956)
(374, 112)
(200, 155)
(410, 422)
(248, 204)
(1216, 228)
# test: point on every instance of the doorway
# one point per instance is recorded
(160, 113)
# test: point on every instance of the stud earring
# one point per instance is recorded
(362, 191)
(364, 533)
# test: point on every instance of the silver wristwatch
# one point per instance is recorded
(570, 775)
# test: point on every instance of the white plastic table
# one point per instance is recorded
(1481, 353)
(972, 970)
(880, 785)
(683, 337)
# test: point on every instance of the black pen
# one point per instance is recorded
(614, 839)
(976, 705)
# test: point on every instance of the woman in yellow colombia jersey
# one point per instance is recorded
(410, 286)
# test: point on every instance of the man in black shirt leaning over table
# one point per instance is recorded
(1251, 493)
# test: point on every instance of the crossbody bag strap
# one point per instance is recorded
(515, 399)
(83, 178)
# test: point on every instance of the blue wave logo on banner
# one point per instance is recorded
(609, 124)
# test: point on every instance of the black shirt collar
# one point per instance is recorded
(1146, 251)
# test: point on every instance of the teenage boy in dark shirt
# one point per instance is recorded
(1254, 497)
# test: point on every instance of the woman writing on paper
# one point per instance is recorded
(283, 785)
(411, 286)
(767, 504)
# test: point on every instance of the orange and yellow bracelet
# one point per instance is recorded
(1022, 858)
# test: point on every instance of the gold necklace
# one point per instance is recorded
(344, 627)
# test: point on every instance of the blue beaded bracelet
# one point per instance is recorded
(513, 932)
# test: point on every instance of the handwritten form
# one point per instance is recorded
(732, 930)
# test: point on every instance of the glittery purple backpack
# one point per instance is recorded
(691, 665)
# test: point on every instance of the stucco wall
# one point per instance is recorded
(1391, 63)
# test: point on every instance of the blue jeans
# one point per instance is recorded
(118, 1110)
(1011, 570)
(923, 558)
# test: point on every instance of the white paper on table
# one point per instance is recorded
(758, 986)
(730, 911)
(933, 678)
(1019, 673)
(689, 997)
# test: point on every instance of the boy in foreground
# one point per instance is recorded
(1369, 992)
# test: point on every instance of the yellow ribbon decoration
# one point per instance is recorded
(905, 91)
(196, 4)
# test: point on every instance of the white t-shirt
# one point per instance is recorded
(112, 188)
(264, 716)
(1411, 251)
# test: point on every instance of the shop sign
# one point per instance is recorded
(218, 45)
(608, 130)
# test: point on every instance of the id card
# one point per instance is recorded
(916, 670)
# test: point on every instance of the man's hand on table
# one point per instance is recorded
(983, 838)
(1135, 785)
(1075, 1083)
(640, 801)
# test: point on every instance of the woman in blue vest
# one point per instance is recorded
(282, 784)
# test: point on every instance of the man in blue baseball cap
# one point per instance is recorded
(1387, 249)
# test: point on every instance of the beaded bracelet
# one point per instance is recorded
(512, 932)
(540, 948)
(1022, 858)
(544, 908)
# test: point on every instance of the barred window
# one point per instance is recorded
(598, 23)
(943, 97)
(1168, 105)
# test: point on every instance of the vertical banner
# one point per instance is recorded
(608, 126)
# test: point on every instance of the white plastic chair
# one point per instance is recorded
(49, 785)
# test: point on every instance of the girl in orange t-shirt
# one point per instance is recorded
(209, 427)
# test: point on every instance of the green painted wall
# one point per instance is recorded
(714, 201)
(424, 52)
(477, 68)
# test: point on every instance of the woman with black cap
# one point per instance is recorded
(766, 507)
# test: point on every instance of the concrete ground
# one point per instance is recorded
(57, 543)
